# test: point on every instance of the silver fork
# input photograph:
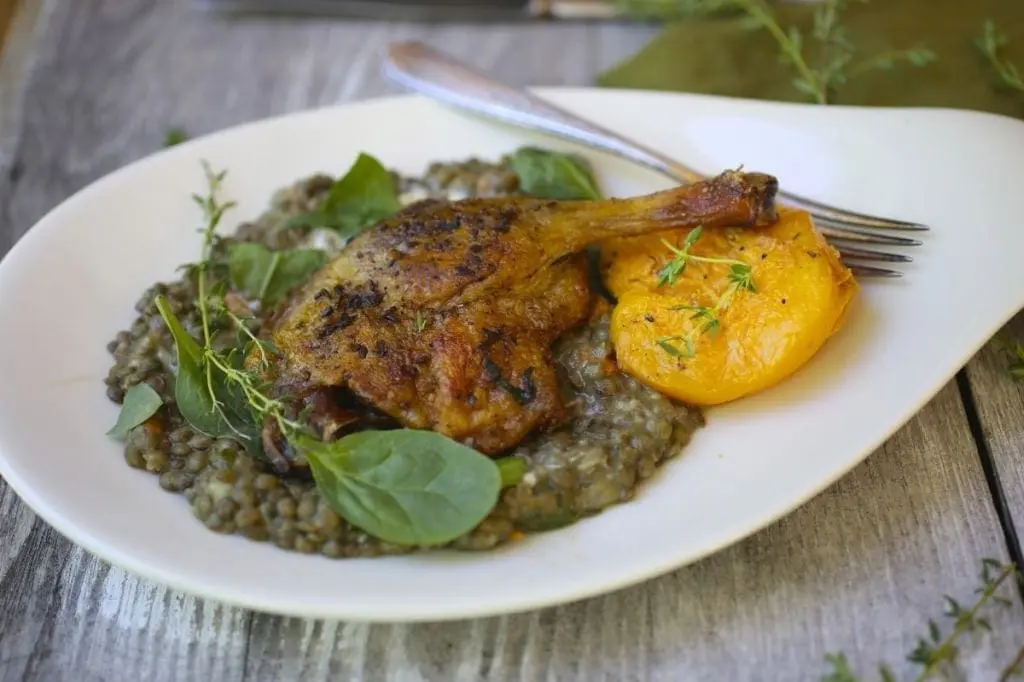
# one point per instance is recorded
(422, 69)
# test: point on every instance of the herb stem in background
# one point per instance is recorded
(991, 44)
(933, 657)
(791, 44)
(1013, 668)
(934, 652)
(821, 77)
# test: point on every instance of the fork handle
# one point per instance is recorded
(429, 72)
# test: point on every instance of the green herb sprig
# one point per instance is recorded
(937, 649)
(741, 277)
(836, 62)
(991, 44)
(823, 62)
(213, 392)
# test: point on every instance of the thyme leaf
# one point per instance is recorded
(666, 345)
(677, 266)
(742, 275)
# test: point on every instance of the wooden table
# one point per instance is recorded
(89, 85)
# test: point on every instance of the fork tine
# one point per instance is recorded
(832, 220)
(869, 271)
(864, 237)
(871, 254)
(842, 223)
(828, 215)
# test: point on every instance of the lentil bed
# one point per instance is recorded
(619, 434)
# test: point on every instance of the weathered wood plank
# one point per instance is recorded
(1000, 405)
(861, 568)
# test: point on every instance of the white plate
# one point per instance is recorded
(71, 283)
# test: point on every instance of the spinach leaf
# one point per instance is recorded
(365, 195)
(553, 175)
(209, 404)
(140, 403)
(405, 486)
(271, 275)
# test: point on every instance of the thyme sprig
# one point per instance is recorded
(936, 651)
(220, 369)
(213, 212)
(835, 64)
(823, 62)
(992, 43)
(741, 276)
(739, 272)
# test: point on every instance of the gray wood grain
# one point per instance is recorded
(1000, 404)
(860, 568)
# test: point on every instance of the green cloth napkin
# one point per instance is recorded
(720, 57)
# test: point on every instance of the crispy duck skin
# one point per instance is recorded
(443, 315)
